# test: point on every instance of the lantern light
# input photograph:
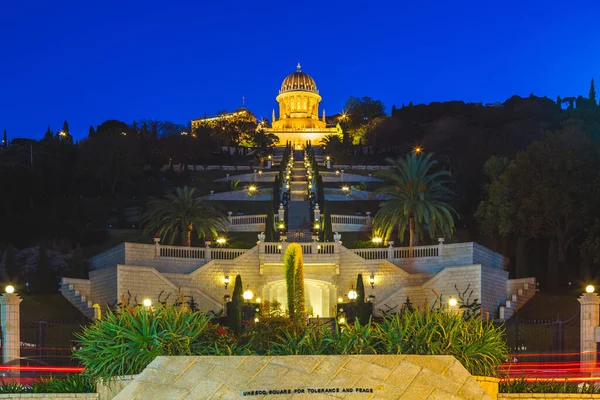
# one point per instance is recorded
(590, 288)
(352, 295)
(248, 295)
(226, 281)
(10, 289)
(372, 280)
(452, 302)
(147, 303)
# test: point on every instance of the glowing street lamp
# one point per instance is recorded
(10, 289)
(590, 289)
(248, 295)
(372, 280)
(352, 295)
(316, 226)
(340, 300)
(418, 149)
(226, 281)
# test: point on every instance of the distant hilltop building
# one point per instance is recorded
(298, 120)
(239, 113)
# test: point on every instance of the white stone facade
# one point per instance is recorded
(421, 273)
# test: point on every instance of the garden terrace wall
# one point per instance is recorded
(53, 396)
(344, 376)
(553, 396)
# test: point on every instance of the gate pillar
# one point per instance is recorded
(590, 319)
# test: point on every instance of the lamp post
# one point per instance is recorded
(589, 321)
(10, 318)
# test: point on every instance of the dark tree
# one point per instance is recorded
(592, 95)
(78, 266)
(5, 140)
(91, 132)
(10, 264)
(45, 280)
(362, 307)
(270, 224)
(234, 312)
(327, 228)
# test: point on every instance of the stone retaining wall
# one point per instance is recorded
(54, 396)
(553, 396)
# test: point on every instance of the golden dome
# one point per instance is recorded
(299, 81)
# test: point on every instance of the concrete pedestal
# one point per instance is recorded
(590, 318)
(11, 326)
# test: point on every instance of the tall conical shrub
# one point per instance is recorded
(294, 278)
(300, 305)
(289, 263)
(270, 225)
(327, 228)
(362, 308)
(234, 312)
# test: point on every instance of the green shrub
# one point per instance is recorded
(125, 342)
(77, 383)
(520, 385)
(479, 346)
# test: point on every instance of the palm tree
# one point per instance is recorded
(333, 145)
(417, 198)
(180, 214)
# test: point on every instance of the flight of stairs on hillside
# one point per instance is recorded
(516, 298)
(77, 299)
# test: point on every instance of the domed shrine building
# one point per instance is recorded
(298, 120)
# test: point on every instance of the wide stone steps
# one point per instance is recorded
(78, 300)
(516, 300)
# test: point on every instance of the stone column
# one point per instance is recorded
(11, 327)
(589, 314)
(317, 213)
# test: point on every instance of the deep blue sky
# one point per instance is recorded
(91, 61)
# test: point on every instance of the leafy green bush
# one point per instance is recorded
(125, 342)
(77, 383)
(520, 385)
(479, 346)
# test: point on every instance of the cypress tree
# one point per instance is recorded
(48, 134)
(65, 128)
(327, 228)
(78, 267)
(289, 263)
(45, 279)
(363, 310)
(270, 225)
(300, 307)
(559, 102)
(91, 132)
(5, 140)
(10, 264)
(592, 95)
(234, 312)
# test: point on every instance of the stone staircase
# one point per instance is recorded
(77, 299)
(519, 292)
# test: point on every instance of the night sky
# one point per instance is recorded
(92, 61)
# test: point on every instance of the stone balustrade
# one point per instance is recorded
(418, 259)
(246, 223)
